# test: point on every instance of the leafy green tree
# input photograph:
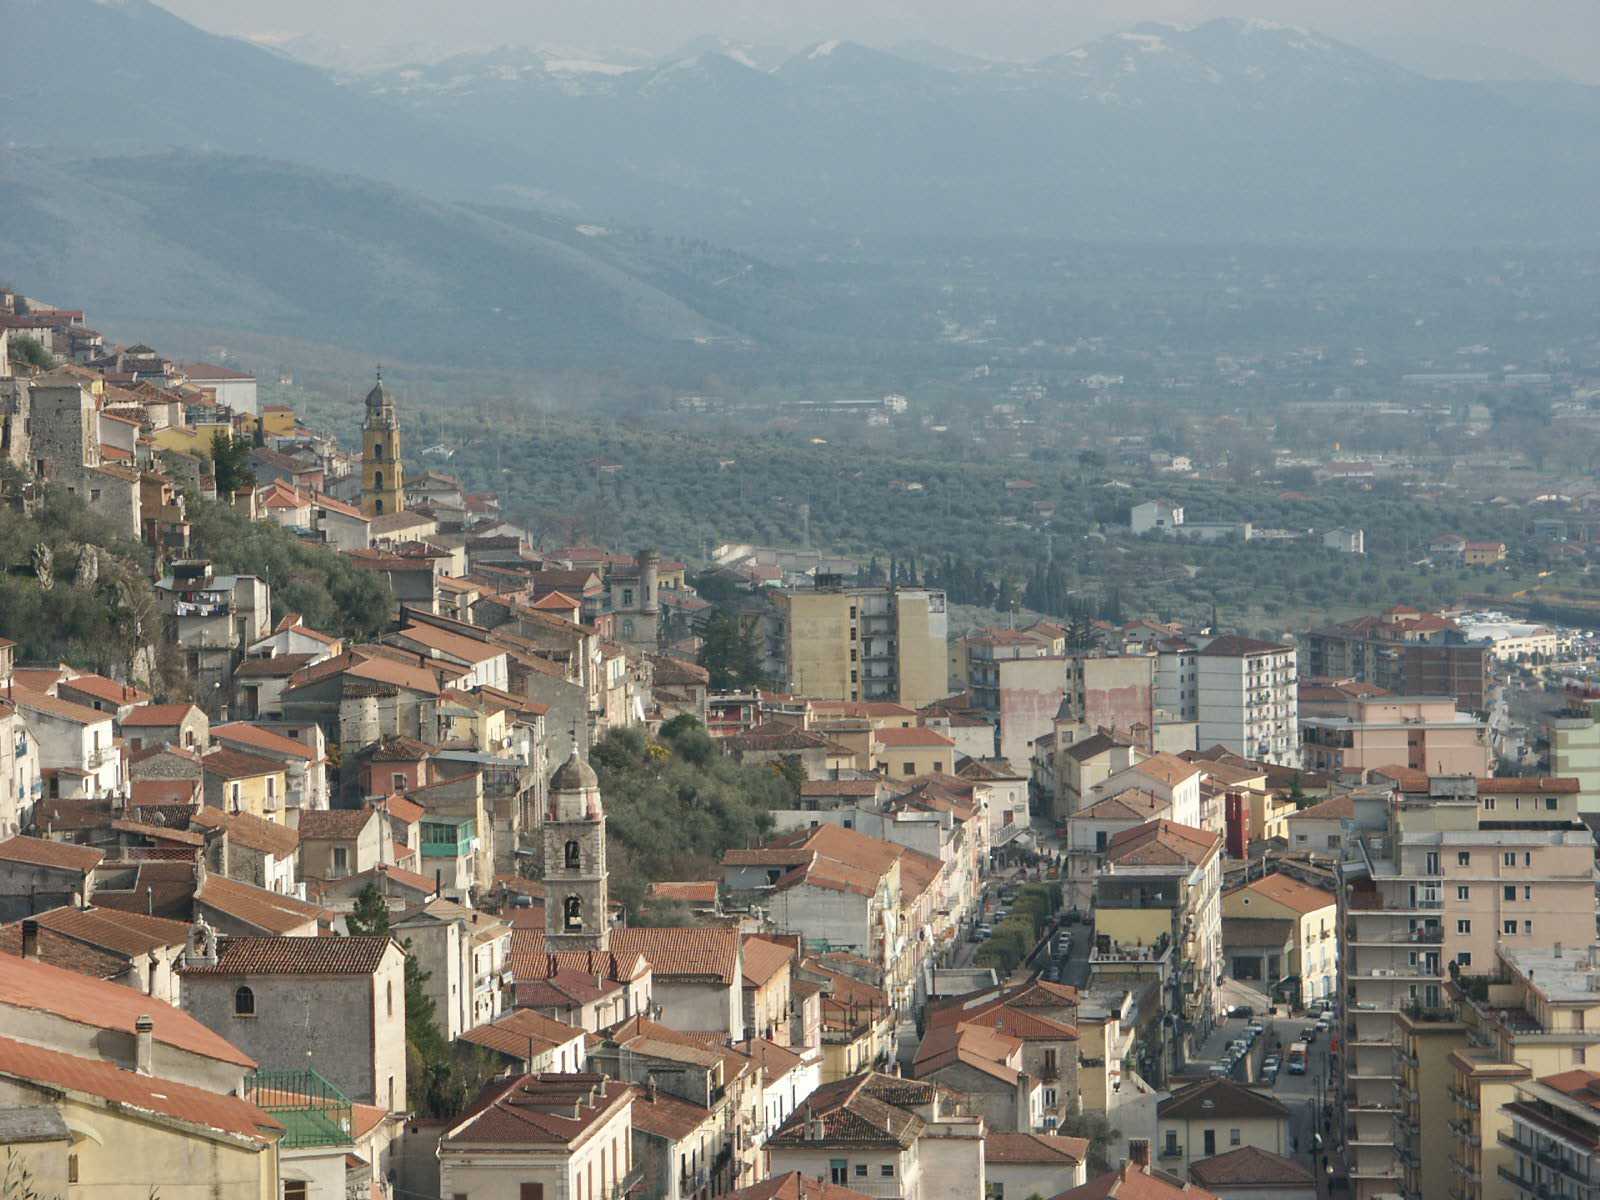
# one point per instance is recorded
(230, 462)
(1101, 1133)
(729, 654)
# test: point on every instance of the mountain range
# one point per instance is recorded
(136, 139)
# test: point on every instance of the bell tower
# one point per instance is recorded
(575, 894)
(381, 470)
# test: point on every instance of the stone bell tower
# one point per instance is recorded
(575, 894)
(382, 477)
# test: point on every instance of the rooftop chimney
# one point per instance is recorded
(144, 1029)
(30, 938)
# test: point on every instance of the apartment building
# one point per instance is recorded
(1439, 875)
(1535, 1015)
(834, 642)
(1575, 743)
(1408, 652)
(1425, 733)
(1159, 918)
(1555, 1137)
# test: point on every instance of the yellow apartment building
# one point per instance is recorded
(833, 642)
(1438, 878)
(1537, 1014)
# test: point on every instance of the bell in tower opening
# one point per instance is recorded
(575, 860)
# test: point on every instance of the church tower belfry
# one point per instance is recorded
(575, 892)
(382, 476)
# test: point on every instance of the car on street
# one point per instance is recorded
(1270, 1074)
(1242, 1010)
(1308, 1034)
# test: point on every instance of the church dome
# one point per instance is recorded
(378, 398)
(574, 775)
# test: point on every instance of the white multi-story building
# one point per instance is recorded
(1241, 692)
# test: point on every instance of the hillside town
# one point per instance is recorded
(1053, 910)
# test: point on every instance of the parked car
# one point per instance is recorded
(1308, 1034)
(1256, 1028)
(1270, 1074)
(1241, 1010)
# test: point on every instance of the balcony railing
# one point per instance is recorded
(1529, 1187)
(1564, 1164)
(1464, 1099)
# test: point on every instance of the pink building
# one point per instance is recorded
(1425, 733)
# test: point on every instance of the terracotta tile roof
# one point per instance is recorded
(1340, 808)
(404, 810)
(915, 736)
(1167, 768)
(781, 736)
(109, 690)
(1251, 1166)
(339, 823)
(128, 934)
(1129, 804)
(1095, 743)
(976, 1046)
(858, 1111)
(279, 666)
(763, 960)
(1162, 843)
(1044, 1148)
(1129, 1182)
(666, 1116)
(539, 1109)
(67, 953)
(267, 911)
(711, 953)
(522, 1033)
(774, 1060)
(165, 791)
(792, 1186)
(40, 852)
(250, 831)
(1542, 785)
(64, 709)
(1232, 645)
(261, 739)
(157, 714)
(42, 988)
(127, 1089)
(453, 645)
(235, 764)
(1219, 1098)
(296, 956)
(693, 891)
(1289, 892)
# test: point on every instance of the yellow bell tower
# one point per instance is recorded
(382, 475)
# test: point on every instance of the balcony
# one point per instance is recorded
(1563, 1164)
(1468, 1172)
(1528, 1187)
(1464, 1132)
(1463, 1099)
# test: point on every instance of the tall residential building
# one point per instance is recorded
(1425, 733)
(1575, 743)
(1158, 902)
(382, 476)
(832, 642)
(1439, 874)
(1532, 1017)
(1407, 651)
(1241, 692)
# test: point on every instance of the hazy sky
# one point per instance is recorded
(1562, 34)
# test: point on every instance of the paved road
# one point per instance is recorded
(1305, 1096)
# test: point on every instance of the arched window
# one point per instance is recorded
(377, 508)
(377, 480)
(574, 912)
(574, 859)
(377, 450)
(627, 627)
(244, 1003)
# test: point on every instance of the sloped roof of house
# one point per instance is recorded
(666, 1116)
(1250, 1166)
(268, 911)
(1162, 843)
(1135, 804)
(1339, 808)
(1047, 1149)
(336, 823)
(522, 1033)
(540, 1109)
(235, 764)
(794, 1186)
(132, 1091)
(916, 736)
(1232, 645)
(1131, 1182)
(259, 738)
(1219, 1098)
(124, 933)
(763, 960)
(712, 952)
(862, 1110)
(41, 852)
(1289, 892)
(691, 891)
(295, 956)
(110, 1006)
